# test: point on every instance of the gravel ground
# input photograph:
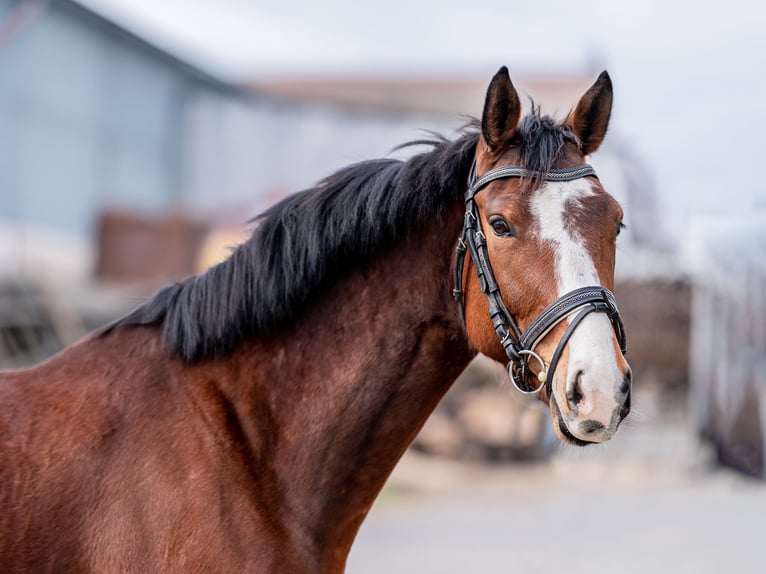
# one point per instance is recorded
(649, 501)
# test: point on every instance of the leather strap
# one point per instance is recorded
(520, 346)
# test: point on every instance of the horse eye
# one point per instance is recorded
(620, 227)
(501, 228)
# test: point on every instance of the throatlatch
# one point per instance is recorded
(520, 347)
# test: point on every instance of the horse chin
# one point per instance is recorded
(560, 427)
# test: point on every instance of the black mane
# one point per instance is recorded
(300, 244)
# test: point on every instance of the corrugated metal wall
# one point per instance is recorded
(86, 117)
(253, 151)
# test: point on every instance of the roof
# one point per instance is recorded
(442, 96)
(122, 31)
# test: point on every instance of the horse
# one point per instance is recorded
(246, 418)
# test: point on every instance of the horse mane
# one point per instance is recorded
(304, 242)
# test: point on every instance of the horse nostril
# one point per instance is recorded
(591, 426)
(626, 382)
(625, 408)
(574, 393)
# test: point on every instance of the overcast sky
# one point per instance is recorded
(690, 77)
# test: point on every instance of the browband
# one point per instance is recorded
(511, 171)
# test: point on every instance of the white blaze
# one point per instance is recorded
(590, 348)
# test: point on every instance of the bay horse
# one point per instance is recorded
(245, 419)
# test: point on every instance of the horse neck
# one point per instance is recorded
(333, 401)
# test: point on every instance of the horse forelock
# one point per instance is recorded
(303, 244)
(541, 140)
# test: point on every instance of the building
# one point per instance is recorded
(94, 116)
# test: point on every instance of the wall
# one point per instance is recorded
(89, 116)
(728, 337)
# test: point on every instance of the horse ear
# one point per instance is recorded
(590, 119)
(501, 111)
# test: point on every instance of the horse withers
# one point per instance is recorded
(246, 418)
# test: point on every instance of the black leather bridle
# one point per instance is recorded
(519, 346)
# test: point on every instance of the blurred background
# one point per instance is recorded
(138, 138)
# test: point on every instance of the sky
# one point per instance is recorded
(689, 77)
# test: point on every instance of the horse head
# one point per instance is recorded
(541, 232)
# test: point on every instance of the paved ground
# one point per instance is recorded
(650, 501)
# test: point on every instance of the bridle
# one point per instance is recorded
(520, 346)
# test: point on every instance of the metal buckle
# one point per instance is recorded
(542, 375)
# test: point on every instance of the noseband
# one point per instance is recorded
(520, 346)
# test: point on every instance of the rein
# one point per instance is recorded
(520, 346)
